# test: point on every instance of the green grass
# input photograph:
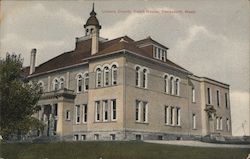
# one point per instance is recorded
(115, 150)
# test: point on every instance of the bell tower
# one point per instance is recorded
(92, 29)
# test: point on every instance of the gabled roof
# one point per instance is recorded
(82, 52)
(149, 40)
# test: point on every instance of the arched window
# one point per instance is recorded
(61, 83)
(177, 86)
(137, 76)
(106, 76)
(171, 85)
(86, 82)
(145, 78)
(41, 85)
(166, 84)
(79, 83)
(55, 84)
(98, 77)
(114, 74)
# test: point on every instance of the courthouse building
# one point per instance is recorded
(122, 89)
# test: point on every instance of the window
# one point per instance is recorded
(228, 125)
(158, 53)
(113, 109)
(98, 77)
(172, 116)
(67, 115)
(61, 84)
(77, 114)
(144, 78)
(86, 82)
(112, 136)
(97, 111)
(55, 84)
(85, 113)
(106, 76)
(137, 111)
(55, 109)
(138, 137)
(79, 83)
(194, 121)
(178, 116)
(177, 86)
(155, 52)
(226, 100)
(217, 123)
(114, 74)
(41, 85)
(163, 55)
(172, 85)
(145, 112)
(105, 110)
(76, 137)
(218, 97)
(137, 76)
(208, 96)
(193, 95)
(166, 112)
(221, 123)
(166, 83)
(96, 136)
(83, 137)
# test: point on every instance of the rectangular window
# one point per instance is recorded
(106, 77)
(217, 123)
(77, 114)
(166, 115)
(85, 112)
(158, 53)
(221, 123)
(79, 83)
(193, 95)
(97, 111)
(172, 116)
(83, 137)
(228, 125)
(96, 136)
(86, 84)
(112, 136)
(208, 96)
(218, 97)
(226, 100)
(145, 112)
(178, 116)
(194, 121)
(164, 55)
(67, 115)
(137, 111)
(114, 76)
(99, 78)
(155, 52)
(55, 109)
(76, 137)
(113, 109)
(105, 110)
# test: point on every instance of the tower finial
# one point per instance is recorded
(93, 13)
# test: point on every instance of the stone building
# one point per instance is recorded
(122, 89)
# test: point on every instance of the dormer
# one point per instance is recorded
(153, 48)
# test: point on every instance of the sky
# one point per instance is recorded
(210, 38)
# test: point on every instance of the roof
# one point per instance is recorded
(82, 52)
(92, 20)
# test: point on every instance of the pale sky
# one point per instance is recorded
(212, 40)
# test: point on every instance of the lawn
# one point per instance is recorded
(115, 150)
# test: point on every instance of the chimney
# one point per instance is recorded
(32, 61)
(95, 45)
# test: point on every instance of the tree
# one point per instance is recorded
(18, 98)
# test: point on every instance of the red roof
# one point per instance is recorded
(83, 51)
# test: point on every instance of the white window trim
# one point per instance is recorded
(79, 76)
(177, 83)
(97, 104)
(104, 102)
(217, 123)
(178, 114)
(97, 75)
(210, 95)
(139, 110)
(77, 106)
(173, 116)
(167, 115)
(166, 83)
(61, 82)
(69, 117)
(113, 69)
(172, 83)
(105, 76)
(193, 95)
(221, 123)
(218, 102)
(85, 77)
(139, 75)
(194, 121)
(145, 105)
(112, 108)
(84, 107)
(146, 77)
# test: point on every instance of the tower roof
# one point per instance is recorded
(92, 20)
